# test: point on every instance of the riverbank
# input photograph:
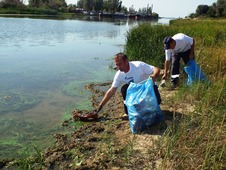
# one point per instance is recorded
(108, 142)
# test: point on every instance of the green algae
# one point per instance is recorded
(15, 101)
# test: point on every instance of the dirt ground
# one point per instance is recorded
(107, 143)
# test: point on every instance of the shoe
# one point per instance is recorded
(174, 82)
(125, 117)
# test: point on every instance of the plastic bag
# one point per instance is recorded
(194, 73)
(142, 105)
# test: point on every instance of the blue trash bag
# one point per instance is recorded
(194, 73)
(142, 105)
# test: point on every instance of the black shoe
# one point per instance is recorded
(174, 82)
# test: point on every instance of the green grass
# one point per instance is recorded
(26, 161)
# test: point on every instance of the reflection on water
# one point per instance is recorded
(44, 65)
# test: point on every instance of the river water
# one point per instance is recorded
(44, 65)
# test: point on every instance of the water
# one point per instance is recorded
(44, 65)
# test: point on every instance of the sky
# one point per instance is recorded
(165, 8)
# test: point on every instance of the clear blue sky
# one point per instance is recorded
(165, 8)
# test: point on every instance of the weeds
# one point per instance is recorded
(128, 150)
(76, 156)
(198, 140)
(26, 161)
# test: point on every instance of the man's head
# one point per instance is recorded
(121, 61)
(167, 42)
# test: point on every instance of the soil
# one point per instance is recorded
(107, 142)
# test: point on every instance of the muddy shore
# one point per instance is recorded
(106, 143)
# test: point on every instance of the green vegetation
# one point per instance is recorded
(74, 89)
(198, 140)
(26, 162)
(216, 10)
(53, 7)
(145, 43)
(16, 134)
(15, 101)
(34, 6)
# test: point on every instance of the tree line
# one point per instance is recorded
(109, 6)
(216, 10)
(45, 4)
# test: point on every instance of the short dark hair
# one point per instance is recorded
(167, 40)
(124, 56)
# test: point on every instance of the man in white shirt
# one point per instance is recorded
(134, 71)
(177, 47)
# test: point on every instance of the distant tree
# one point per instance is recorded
(52, 4)
(132, 10)
(98, 5)
(89, 5)
(56, 4)
(217, 9)
(193, 15)
(142, 10)
(71, 8)
(124, 9)
(11, 3)
(221, 8)
(116, 4)
(81, 3)
(36, 3)
(112, 6)
(202, 10)
(149, 10)
(145, 10)
(212, 10)
(155, 15)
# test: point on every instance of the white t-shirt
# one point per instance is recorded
(138, 72)
(183, 43)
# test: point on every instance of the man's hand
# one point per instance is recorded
(164, 77)
(153, 78)
(155, 74)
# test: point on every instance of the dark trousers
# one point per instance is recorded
(175, 69)
(125, 87)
